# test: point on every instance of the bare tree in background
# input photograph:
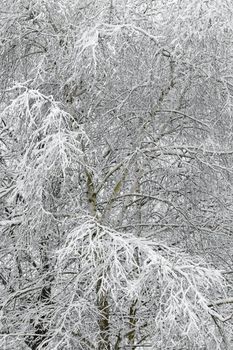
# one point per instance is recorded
(116, 174)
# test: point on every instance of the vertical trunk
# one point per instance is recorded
(133, 307)
(102, 299)
(111, 8)
(91, 195)
(103, 307)
(132, 323)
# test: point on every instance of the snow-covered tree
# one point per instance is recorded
(116, 174)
